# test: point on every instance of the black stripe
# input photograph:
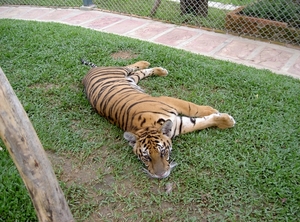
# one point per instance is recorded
(131, 106)
(180, 126)
(117, 103)
(193, 120)
(174, 130)
(167, 113)
(122, 110)
(109, 95)
(142, 123)
(138, 77)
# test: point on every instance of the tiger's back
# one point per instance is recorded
(114, 94)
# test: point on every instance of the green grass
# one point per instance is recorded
(248, 173)
(13, 196)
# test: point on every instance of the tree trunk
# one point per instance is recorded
(31, 160)
(196, 7)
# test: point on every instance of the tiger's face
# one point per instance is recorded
(153, 147)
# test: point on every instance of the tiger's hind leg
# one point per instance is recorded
(139, 65)
(141, 74)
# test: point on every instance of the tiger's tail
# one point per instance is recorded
(88, 63)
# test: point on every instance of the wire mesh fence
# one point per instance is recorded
(274, 20)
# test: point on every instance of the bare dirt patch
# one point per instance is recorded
(69, 169)
(96, 193)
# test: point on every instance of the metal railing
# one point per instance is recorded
(274, 20)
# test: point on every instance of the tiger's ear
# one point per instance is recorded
(130, 137)
(166, 128)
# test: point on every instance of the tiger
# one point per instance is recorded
(149, 123)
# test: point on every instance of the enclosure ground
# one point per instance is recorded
(247, 173)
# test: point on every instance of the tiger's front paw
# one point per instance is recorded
(160, 71)
(223, 121)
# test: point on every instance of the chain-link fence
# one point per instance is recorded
(274, 20)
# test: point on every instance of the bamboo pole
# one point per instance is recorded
(26, 150)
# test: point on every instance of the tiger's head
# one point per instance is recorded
(153, 147)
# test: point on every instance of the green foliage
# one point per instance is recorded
(278, 10)
(247, 173)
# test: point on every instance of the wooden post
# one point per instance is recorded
(31, 160)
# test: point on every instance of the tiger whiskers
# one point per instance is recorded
(173, 164)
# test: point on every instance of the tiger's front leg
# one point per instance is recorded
(185, 124)
(186, 108)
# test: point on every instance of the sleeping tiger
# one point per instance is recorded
(149, 122)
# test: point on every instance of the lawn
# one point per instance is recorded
(248, 173)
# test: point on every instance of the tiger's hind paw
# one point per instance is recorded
(140, 65)
(160, 71)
